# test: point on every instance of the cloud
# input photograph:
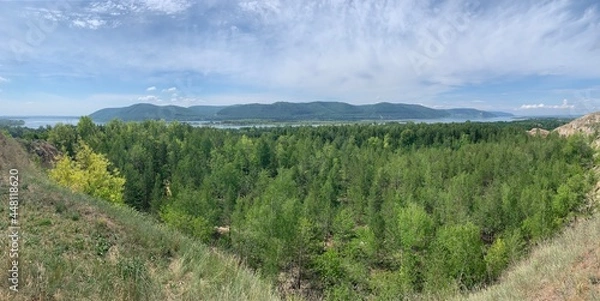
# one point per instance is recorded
(167, 6)
(105, 13)
(89, 23)
(401, 50)
(534, 106)
(352, 51)
(153, 88)
(172, 89)
(149, 98)
(4, 80)
(564, 105)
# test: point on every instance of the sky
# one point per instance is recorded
(526, 57)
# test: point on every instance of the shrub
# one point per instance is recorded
(90, 173)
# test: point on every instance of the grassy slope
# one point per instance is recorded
(566, 267)
(77, 248)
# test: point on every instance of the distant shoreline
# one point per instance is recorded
(35, 122)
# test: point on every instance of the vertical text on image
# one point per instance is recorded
(13, 229)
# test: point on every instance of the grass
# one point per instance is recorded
(566, 267)
(73, 247)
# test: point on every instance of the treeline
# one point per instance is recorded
(11, 122)
(355, 211)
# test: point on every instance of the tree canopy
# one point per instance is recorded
(350, 211)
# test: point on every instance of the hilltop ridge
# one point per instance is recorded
(587, 125)
(288, 111)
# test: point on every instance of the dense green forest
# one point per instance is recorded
(355, 211)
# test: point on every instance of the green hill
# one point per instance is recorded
(206, 111)
(472, 113)
(73, 247)
(144, 111)
(286, 111)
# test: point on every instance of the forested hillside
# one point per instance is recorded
(75, 247)
(357, 211)
(288, 111)
(144, 111)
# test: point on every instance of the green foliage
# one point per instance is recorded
(457, 255)
(497, 258)
(329, 267)
(341, 292)
(359, 211)
(89, 173)
(415, 228)
(391, 285)
(195, 226)
(64, 137)
(113, 252)
(101, 245)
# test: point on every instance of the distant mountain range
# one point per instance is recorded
(286, 111)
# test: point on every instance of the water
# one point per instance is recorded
(35, 122)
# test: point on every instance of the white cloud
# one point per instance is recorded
(352, 51)
(104, 13)
(564, 105)
(534, 106)
(88, 23)
(4, 80)
(149, 98)
(153, 88)
(167, 6)
(172, 89)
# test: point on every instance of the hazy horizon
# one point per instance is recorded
(515, 114)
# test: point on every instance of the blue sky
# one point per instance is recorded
(524, 57)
